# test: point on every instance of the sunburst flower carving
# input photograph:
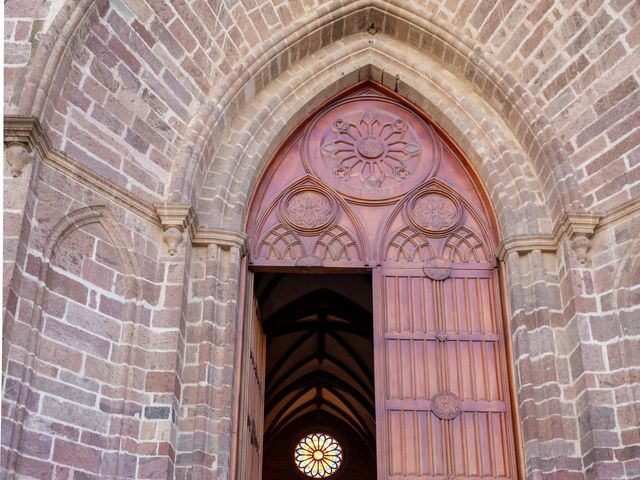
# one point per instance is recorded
(371, 151)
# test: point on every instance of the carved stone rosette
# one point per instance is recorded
(435, 213)
(372, 150)
(446, 405)
(307, 210)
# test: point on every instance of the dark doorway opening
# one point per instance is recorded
(319, 369)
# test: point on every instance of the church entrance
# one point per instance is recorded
(319, 375)
(369, 186)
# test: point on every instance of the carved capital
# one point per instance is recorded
(175, 219)
(578, 227)
(17, 156)
(581, 223)
(221, 237)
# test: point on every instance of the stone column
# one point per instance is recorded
(208, 355)
(17, 168)
(548, 423)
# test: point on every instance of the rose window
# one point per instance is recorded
(318, 455)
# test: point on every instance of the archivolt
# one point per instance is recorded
(515, 190)
(454, 54)
(327, 29)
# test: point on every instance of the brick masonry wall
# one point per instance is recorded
(138, 77)
(118, 359)
(90, 341)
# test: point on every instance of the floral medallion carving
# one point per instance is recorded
(446, 405)
(437, 268)
(307, 210)
(435, 213)
(371, 149)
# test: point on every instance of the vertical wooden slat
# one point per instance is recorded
(418, 364)
(252, 403)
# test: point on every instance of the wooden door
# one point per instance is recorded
(252, 394)
(442, 400)
(367, 182)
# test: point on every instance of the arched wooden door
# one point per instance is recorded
(369, 183)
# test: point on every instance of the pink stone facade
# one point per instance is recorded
(136, 130)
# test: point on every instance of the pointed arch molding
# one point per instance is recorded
(394, 20)
(479, 131)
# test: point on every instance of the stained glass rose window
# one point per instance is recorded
(318, 455)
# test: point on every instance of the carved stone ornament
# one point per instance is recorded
(371, 151)
(437, 268)
(175, 219)
(308, 211)
(173, 237)
(441, 336)
(435, 213)
(580, 244)
(446, 405)
(17, 156)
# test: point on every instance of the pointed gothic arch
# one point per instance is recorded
(374, 169)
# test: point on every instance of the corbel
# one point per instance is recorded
(17, 154)
(579, 228)
(175, 219)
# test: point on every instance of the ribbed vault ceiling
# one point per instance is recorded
(319, 350)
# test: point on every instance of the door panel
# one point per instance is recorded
(252, 406)
(444, 411)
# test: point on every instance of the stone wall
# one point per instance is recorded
(133, 121)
